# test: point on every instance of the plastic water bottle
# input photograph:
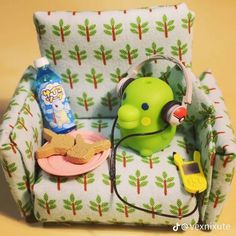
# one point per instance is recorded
(52, 98)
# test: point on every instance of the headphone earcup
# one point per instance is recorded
(123, 83)
(174, 113)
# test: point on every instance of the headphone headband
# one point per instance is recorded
(187, 98)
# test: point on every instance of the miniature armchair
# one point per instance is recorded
(91, 51)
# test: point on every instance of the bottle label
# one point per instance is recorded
(55, 107)
(52, 92)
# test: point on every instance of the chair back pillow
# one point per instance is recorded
(91, 50)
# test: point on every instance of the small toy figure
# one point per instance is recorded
(60, 113)
(148, 106)
(140, 112)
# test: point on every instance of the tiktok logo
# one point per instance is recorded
(176, 227)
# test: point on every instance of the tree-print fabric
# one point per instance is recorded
(152, 182)
(20, 136)
(92, 50)
(223, 161)
(91, 57)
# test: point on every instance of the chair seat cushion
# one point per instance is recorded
(152, 183)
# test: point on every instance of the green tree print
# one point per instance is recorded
(103, 54)
(193, 222)
(53, 54)
(113, 29)
(28, 77)
(187, 146)
(153, 207)
(165, 25)
(24, 208)
(154, 50)
(85, 179)
(21, 89)
(40, 120)
(9, 168)
(216, 197)
(116, 222)
(69, 77)
(124, 158)
(85, 101)
(230, 126)
(208, 115)
(144, 72)
(94, 78)
(99, 125)
(106, 180)
(58, 180)
(32, 98)
(79, 124)
(141, 222)
(20, 123)
(229, 176)
(212, 136)
(40, 28)
(138, 181)
(27, 182)
(123, 208)
(116, 76)
(180, 92)
(61, 219)
(139, 28)
(170, 160)
(179, 50)
(78, 55)
(128, 53)
(90, 221)
(109, 101)
(38, 180)
(206, 89)
(187, 23)
(12, 104)
(166, 74)
(179, 209)
(151, 160)
(27, 110)
(215, 173)
(205, 200)
(35, 135)
(87, 30)
(12, 145)
(164, 182)
(99, 206)
(47, 204)
(72, 204)
(190, 120)
(233, 140)
(29, 149)
(61, 30)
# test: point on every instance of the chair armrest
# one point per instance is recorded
(20, 136)
(224, 159)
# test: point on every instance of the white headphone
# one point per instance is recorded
(173, 112)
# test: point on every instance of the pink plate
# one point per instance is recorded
(60, 166)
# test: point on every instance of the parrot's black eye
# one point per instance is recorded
(124, 96)
(145, 106)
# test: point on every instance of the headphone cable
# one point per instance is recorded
(112, 172)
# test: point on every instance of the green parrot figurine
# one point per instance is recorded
(140, 112)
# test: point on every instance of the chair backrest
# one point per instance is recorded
(91, 50)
